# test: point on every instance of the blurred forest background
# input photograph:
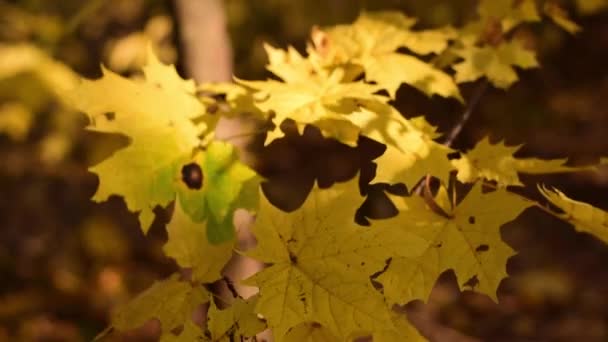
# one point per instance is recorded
(65, 261)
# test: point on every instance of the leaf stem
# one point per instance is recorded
(536, 203)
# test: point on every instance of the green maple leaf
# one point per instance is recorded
(373, 40)
(321, 262)
(239, 319)
(496, 162)
(171, 301)
(583, 216)
(467, 242)
(156, 114)
(227, 185)
(322, 101)
(411, 152)
(495, 63)
(189, 246)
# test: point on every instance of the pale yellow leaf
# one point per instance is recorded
(583, 216)
(496, 162)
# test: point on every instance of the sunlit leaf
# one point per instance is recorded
(495, 63)
(496, 162)
(321, 262)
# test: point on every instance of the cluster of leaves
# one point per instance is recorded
(327, 278)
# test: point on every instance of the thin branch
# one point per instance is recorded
(467, 113)
(83, 13)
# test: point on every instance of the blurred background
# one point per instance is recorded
(65, 261)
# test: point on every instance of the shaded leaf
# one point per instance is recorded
(171, 301)
(468, 242)
(560, 17)
(238, 320)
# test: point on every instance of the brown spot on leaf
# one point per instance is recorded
(192, 176)
(293, 258)
(482, 248)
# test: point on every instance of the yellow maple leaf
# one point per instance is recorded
(590, 7)
(26, 58)
(411, 152)
(372, 41)
(321, 262)
(156, 114)
(291, 66)
(171, 301)
(583, 216)
(560, 17)
(468, 242)
(238, 320)
(496, 162)
(510, 12)
(495, 63)
(315, 101)
(188, 244)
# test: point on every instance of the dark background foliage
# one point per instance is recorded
(65, 261)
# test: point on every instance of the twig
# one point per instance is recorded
(83, 13)
(467, 113)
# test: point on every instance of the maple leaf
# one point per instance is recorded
(26, 58)
(238, 320)
(291, 66)
(468, 242)
(156, 114)
(171, 301)
(189, 333)
(315, 101)
(226, 185)
(560, 17)
(189, 246)
(321, 262)
(411, 152)
(496, 162)
(373, 40)
(583, 216)
(495, 63)
(310, 332)
(510, 12)
(404, 331)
